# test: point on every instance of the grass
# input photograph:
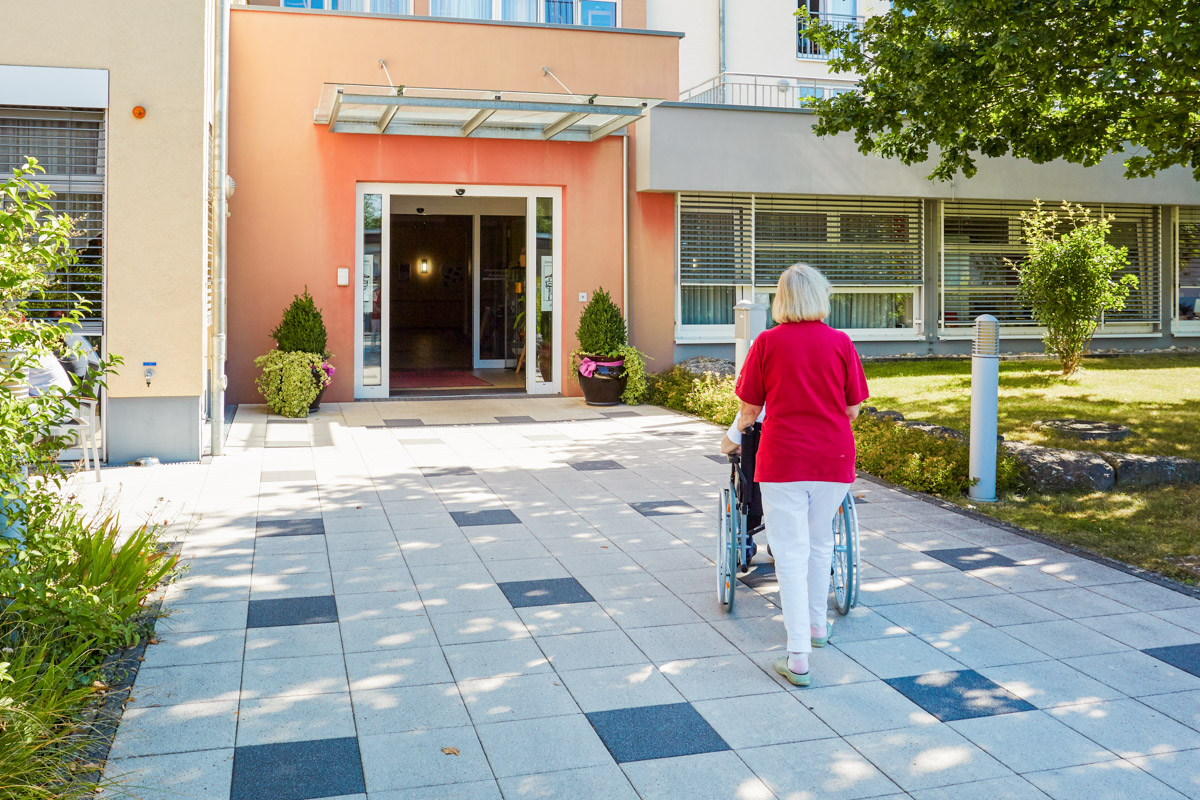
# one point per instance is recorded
(1157, 396)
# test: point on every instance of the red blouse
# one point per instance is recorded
(805, 373)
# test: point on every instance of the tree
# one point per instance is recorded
(1070, 277)
(1069, 79)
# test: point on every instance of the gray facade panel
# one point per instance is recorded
(684, 148)
(167, 428)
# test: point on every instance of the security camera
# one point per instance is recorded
(460, 192)
(420, 210)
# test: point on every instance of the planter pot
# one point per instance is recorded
(606, 384)
(316, 403)
(74, 364)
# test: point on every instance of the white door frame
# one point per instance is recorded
(530, 193)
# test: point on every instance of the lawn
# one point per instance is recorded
(1157, 396)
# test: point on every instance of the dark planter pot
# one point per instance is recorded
(606, 385)
(316, 403)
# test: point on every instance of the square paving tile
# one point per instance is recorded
(288, 476)
(663, 508)
(194, 683)
(590, 650)
(1106, 780)
(487, 516)
(828, 769)
(1153, 675)
(416, 759)
(966, 558)
(289, 527)
(409, 708)
(1128, 728)
(898, 656)
(1047, 684)
(619, 414)
(628, 686)
(706, 776)
(594, 466)
(446, 472)
(495, 659)
(295, 718)
(649, 732)
(403, 423)
(514, 419)
(298, 770)
(607, 782)
(862, 707)
(959, 695)
(413, 666)
(722, 460)
(176, 728)
(510, 697)
(279, 612)
(558, 743)
(762, 719)
(1182, 656)
(283, 677)
(1031, 740)
(556, 591)
(927, 757)
(719, 676)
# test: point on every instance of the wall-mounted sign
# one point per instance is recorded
(547, 283)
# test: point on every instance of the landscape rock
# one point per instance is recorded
(1054, 469)
(896, 415)
(936, 430)
(1134, 469)
(702, 365)
(1086, 430)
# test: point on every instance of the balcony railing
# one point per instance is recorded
(808, 49)
(765, 91)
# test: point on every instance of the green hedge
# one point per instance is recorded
(904, 456)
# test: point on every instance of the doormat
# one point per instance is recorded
(434, 379)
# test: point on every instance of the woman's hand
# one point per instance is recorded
(728, 448)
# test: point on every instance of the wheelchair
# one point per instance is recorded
(740, 518)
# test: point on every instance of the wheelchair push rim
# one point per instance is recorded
(845, 570)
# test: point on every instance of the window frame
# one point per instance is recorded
(1180, 326)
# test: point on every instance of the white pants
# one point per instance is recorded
(802, 561)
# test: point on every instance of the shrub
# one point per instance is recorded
(302, 329)
(1069, 280)
(601, 330)
(708, 396)
(290, 381)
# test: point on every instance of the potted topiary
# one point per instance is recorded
(607, 367)
(300, 367)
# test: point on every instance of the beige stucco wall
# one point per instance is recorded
(155, 54)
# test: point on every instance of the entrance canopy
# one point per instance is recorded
(404, 110)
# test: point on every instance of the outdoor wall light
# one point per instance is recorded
(424, 266)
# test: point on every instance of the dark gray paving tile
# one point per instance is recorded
(724, 460)
(289, 527)
(487, 516)
(403, 423)
(445, 472)
(966, 558)
(951, 696)
(662, 508)
(592, 466)
(283, 611)
(861, 501)
(298, 770)
(1183, 656)
(649, 732)
(761, 575)
(515, 419)
(618, 414)
(555, 591)
(286, 476)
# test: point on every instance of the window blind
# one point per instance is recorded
(714, 240)
(1188, 275)
(69, 145)
(979, 236)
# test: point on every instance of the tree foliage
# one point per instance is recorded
(1070, 277)
(1070, 79)
(302, 328)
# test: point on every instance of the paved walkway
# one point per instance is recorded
(387, 602)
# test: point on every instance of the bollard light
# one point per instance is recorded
(985, 408)
(749, 320)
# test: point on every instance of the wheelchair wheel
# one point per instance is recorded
(845, 557)
(728, 518)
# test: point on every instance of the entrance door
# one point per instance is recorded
(371, 314)
(500, 285)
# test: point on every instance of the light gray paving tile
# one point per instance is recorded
(629, 686)
(1020, 579)
(378, 605)
(361, 540)
(511, 551)
(446, 576)
(495, 659)
(1141, 631)
(371, 581)
(284, 677)
(281, 545)
(1183, 617)
(291, 564)
(1031, 740)
(877, 589)
(708, 776)
(490, 625)
(271, 587)
(526, 569)
(828, 666)
(565, 742)
(1180, 771)
(1047, 684)
(718, 676)
(749, 603)
(206, 647)
(1005, 609)
(476, 790)
(762, 719)
(1134, 673)
(1107, 780)
(899, 657)
(676, 558)
(409, 708)
(351, 560)
(1128, 728)
(194, 617)
(951, 585)
(176, 729)
(673, 642)
(566, 618)
(826, 769)
(589, 650)
(389, 633)
(608, 564)
(411, 666)
(179, 776)
(415, 759)
(926, 757)
(1082, 572)
(982, 646)
(1145, 596)
(355, 523)
(1182, 706)
(1076, 602)
(1064, 639)
(1014, 788)
(607, 782)
(908, 562)
(434, 554)
(932, 616)
(293, 641)
(194, 683)
(623, 586)
(754, 635)
(579, 544)
(511, 697)
(296, 718)
(405, 519)
(646, 612)
(864, 707)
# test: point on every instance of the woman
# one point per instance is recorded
(810, 380)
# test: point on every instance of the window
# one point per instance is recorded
(598, 13)
(981, 239)
(69, 145)
(837, 14)
(736, 246)
(1187, 289)
(362, 6)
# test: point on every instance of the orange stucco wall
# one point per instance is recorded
(292, 220)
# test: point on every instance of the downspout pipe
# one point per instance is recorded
(721, 43)
(218, 346)
(625, 226)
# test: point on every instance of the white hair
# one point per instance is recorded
(803, 295)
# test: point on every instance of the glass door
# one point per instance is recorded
(372, 378)
(541, 329)
(500, 289)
